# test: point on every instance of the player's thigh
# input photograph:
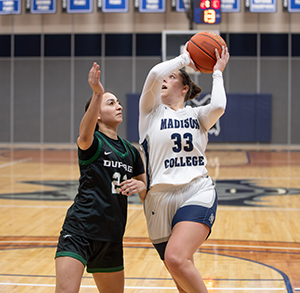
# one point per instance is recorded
(110, 282)
(69, 272)
(186, 238)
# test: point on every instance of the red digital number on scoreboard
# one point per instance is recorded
(204, 4)
(216, 4)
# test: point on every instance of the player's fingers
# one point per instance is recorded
(98, 74)
(95, 75)
(125, 186)
(226, 52)
(92, 72)
(128, 191)
(123, 183)
(226, 55)
(184, 50)
(217, 53)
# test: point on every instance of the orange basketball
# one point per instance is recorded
(202, 46)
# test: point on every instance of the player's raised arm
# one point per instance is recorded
(90, 118)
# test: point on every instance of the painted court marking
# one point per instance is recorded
(147, 243)
(15, 162)
(140, 207)
(146, 288)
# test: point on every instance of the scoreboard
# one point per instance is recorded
(207, 11)
(202, 11)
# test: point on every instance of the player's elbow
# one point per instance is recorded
(84, 142)
(155, 73)
(220, 110)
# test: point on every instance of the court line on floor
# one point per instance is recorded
(15, 162)
(141, 207)
(251, 246)
(146, 288)
(148, 243)
(29, 241)
(51, 207)
(89, 276)
(284, 276)
(226, 245)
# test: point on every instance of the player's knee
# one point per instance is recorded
(173, 261)
(65, 288)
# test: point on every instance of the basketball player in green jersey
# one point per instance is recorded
(111, 169)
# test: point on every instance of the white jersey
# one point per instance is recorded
(174, 142)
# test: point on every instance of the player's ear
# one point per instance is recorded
(185, 89)
(99, 115)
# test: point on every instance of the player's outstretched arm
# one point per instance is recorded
(90, 118)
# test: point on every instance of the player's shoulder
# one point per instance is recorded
(194, 109)
(133, 146)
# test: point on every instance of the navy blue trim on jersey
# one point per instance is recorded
(145, 148)
(191, 213)
(196, 213)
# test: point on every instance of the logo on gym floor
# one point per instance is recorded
(230, 192)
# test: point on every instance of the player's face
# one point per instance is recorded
(172, 87)
(111, 109)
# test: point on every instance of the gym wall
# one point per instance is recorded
(45, 59)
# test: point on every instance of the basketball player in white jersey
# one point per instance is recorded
(181, 203)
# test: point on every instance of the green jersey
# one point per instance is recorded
(99, 210)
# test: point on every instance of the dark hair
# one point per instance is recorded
(87, 104)
(194, 89)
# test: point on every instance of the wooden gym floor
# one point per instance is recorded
(254, 245)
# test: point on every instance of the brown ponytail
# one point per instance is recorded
(194, 89)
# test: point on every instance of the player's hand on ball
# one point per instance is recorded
(221, 60)
(192, 64)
